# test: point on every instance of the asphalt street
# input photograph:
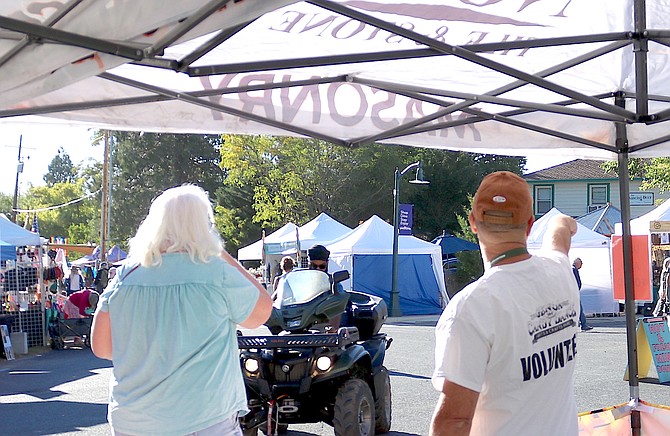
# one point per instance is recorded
(65, 392)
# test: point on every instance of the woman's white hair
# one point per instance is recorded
(181, 219)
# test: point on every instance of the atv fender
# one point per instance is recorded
(350, 356)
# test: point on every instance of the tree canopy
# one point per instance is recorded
(292, 179)
(61, 169)
(260, 182)
(145, 164)
(654, 172)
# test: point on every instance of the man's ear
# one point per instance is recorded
(473, 225)
(529, 225)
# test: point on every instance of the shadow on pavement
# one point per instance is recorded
(32, 416)
(404, 374)
(36, 376)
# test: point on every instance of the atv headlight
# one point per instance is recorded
(251, 365)
(324, 363)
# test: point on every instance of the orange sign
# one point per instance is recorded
(641, 268)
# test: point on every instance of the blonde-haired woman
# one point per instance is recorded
(168, 323)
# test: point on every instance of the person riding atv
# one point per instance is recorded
(324, 361)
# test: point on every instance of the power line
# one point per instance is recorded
(58, 206)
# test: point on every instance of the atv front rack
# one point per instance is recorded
(343, 337)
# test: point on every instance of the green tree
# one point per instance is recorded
(654, 172)
(290, 179)
(78, 221)
(6, 202)
(453, 176)
(145, 164)
(234, 215)
(293, 179)
(61, 169)
(470, 265)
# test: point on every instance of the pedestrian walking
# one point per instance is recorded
(576, 266)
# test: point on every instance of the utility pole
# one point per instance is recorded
(19, 169)
(104, 227)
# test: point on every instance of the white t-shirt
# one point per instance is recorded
(511, 336)
(75, 282)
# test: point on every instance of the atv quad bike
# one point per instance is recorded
(323, 363)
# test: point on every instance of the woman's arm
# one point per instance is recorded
(101, 335)
(263, 308)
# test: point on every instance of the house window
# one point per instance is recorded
(598, 196)
(544, 199)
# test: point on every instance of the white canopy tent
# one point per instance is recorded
(255, 251)
(642, 224)
(496, 77)
(579, 79)
(323, 229)
(594, 249)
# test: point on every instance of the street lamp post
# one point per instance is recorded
(395, 297)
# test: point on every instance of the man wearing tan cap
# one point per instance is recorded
(505, 345)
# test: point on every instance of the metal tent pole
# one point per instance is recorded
(626, 243)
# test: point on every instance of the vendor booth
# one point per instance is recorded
(22, 299)
(651, 239)
(367, 251)
(255, 251)
(323, 229)
(597, 295)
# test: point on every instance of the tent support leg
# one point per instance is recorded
(635, 423)
(624, 197)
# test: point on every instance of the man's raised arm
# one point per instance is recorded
(560, 230)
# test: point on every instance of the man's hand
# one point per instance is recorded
(560, 230)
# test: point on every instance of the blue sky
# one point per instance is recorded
(40, 144)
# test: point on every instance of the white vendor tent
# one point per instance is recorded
(255, 251)
(584, 79)
(596, 273)
(641, 224)
(323, 229)
(367, 253)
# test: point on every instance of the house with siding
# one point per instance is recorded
(582, 186)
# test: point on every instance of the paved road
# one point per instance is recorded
(65, 392)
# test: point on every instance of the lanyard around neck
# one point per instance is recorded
(507, 254)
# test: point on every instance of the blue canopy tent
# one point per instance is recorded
(13, 235)
(116, 254)
(452, 244)
(7, 251)
(367, 253)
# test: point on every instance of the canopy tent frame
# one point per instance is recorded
(151, 55)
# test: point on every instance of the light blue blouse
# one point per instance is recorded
(174, 346)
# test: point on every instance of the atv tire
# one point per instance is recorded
(383, 404)
(354, 413)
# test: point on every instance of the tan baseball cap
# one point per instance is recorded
(503, 198)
